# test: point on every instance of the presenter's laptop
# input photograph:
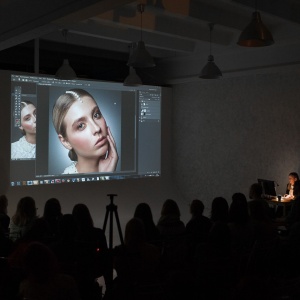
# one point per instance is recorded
(268, 187)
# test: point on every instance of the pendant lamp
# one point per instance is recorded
(132, 79)
(210, 70)
(65, 72)
(256, 33)
(140, 57)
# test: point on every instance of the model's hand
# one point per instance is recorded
(109, 163)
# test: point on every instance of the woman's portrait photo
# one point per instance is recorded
(25, 147)
(82, 130)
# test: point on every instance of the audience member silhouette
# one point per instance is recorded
(219, 210)
(92, 247)
(23, 218)
(144, 213)
(216, 244)
(259, 212)
(212, 260)
(197, 229)
(136, 262)
(255, 191)
(169, 223)
(42, 278)
(256, 194)
(65, 248)
(4, 218)
(242, 232)
(52, 213)
(5, 243)
(77, 258)
(172, 231)
(86, 232)
(39, 231)
(238, 211)
(219, 237)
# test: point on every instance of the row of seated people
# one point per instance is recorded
(220, 257)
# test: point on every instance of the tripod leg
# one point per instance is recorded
(109, 274)
(105, 219)
(111, 228)
(119, 226)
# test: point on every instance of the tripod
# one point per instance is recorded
(112, 209)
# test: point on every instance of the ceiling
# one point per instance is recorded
(175, 32)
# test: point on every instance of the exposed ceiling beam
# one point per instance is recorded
(21, 21)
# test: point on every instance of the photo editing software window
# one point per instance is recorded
(131, 116)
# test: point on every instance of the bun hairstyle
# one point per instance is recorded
(60, 109)
(72, 155)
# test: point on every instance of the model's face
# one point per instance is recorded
(292, 180)
(86, 129)
(28, 119)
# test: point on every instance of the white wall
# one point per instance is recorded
(229, 132)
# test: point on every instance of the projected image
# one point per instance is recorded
(67, 131)
(81, 128)
(25, 125)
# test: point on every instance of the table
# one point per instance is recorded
(284, 203)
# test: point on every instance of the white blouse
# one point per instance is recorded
(22, 149)
(71, 169)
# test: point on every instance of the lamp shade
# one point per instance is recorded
(132, 79)
(65, 72)
(255, 34)
(140, 57)
(210, 70)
